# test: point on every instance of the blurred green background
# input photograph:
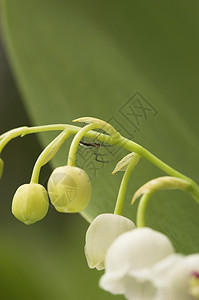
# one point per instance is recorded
(69, 59)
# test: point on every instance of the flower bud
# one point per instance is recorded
(100, 235)
(1, 167)
(69, 189)
(30, 203)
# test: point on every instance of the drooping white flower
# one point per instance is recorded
(182, 281)
(100, 235)
(129, 262)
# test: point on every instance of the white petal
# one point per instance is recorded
(100, 235)
(133, 254)
(137, 249)
(161, 270)
(136, 289)
(176, 285)
(145, 283)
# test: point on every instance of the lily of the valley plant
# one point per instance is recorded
(139, 262)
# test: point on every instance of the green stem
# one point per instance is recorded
(141, 211)
(22, 131)
(124, 183)
(75, 143)
(8, 136)
(133, 147)
(93, 124)
(48, 153)
(120, 141)
(161, 183)
(194, 191)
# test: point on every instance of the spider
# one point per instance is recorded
(96, 146)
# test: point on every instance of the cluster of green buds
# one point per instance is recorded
(69, 187)
(69, 190)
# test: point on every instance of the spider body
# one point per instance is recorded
(96, 146)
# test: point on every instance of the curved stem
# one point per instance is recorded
(8, 136)
(133, 147)
(124, 183)
(48, 153)
(194, 191)
(141, 211)
(120, 141)
(101, 124)
(93, 124)
(75, 143)
(161, 183)
(22, 131)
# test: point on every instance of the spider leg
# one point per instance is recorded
(107, 152)
(104, 154)
(103, 161)
(102, 143)
(98, 154)
(106, 145)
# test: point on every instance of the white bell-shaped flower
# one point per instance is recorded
(101, 233)
(182, 281)
(129, 261)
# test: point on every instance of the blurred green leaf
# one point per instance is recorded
(83, 58)
(47, 264)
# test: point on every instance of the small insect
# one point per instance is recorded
(96, 146)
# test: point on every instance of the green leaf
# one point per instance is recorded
(82, 58)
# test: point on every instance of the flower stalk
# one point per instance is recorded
(48, 153)
(123, 186)
(148, 189)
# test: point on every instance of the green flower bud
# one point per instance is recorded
(1, 167)
(30, 203)
(69, 189)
